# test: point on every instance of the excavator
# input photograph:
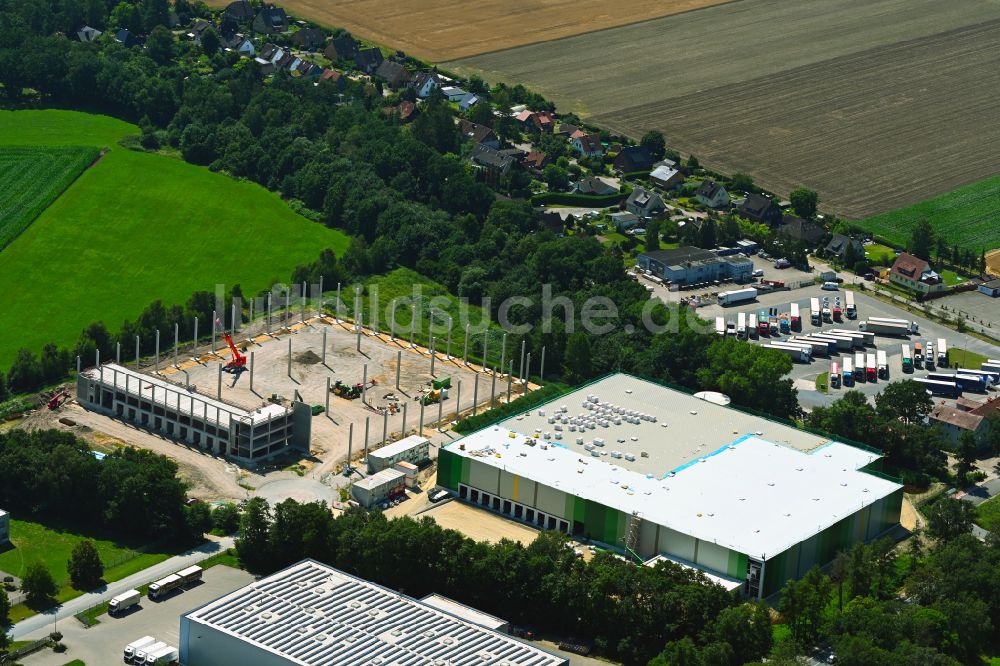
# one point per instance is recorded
(238, 363)
(346, 390)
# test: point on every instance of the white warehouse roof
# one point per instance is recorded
(396, 448)
(473, 615)
(195, 404)
(313, 614)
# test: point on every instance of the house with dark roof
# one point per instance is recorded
(368, 60)
(453, 93)
(481, 135)
(644, 203)
(554, 222)
(271, 20)
(666, 177)
(588, 145)
(199, 28)
(712, 194)
(567, 129)
(535, 161)
(594, 186)
(807, 231)
(543, 121)
(341, 48)
(759, 208)
(964, 416)
(837, 247)
(915, 274)
(633, 158)
(87, 34)
(468, 101)
(127, 39)
(491, 163)
(309, 39)
(241, 10)
(393, 73)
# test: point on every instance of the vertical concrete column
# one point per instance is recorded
(251, 371)
(218, 389)
(520, 373)
(288, 305)
(404, 419)
(413, 326)
(350, 445)
(137, 352)
(421, 430)
(465, 354)
(392, 321)
(385, 426)
(493, 389)
(97, 358)
(327, 397)
(269, 309)
(475, 395)
(440, 413)
(433, 355)
(458, 400)
(215, 325)
(399, 365)
(503, 352)
(486, 349)
(232, 319)
(527, 372)
(364, 385)
(541, 371)
(448, 352)
(367, 420)
(195, 341)
(324, 346)
(337, 317)
(118, 352)
(250, 319)
(289, 357)
(319, 305)
(176, 343)
(157, 361)
(510, 379)
(303, 302)
(78, 364)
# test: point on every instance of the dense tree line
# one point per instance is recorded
(629, 611)
(52, 476)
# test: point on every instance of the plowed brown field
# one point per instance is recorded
(439, 30)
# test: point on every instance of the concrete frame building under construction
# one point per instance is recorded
(246, 435)
(644, 468)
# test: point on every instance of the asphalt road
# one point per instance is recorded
(40, 625)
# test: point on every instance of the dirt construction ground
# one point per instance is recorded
(846, 97)
(439, 30)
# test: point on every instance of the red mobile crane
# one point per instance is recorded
(239, 362)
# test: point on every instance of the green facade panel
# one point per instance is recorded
(449, 469)
(737, 567)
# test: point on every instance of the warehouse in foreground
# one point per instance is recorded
(644, 468)
(247, 435)
(312, 614)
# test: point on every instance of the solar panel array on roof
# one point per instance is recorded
(313, 614)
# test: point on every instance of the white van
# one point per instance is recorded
(831, 286)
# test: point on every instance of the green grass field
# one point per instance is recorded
(134, 228)
(988, 513)
(963, 358)
(31, 177)
(966, 216)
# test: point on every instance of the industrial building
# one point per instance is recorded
(692, 265)
(312, 614)
(4, 528)
(413, 449)
(643, 468)
(246, 435)
(469, 613)
(379, 487)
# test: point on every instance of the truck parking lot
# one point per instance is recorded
(805, 374)
(103, 643)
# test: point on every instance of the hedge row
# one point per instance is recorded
(581, 200)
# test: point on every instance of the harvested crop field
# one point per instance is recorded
(876, 105)
(438, 30)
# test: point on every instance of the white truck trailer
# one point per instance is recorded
(929, 358)
(123, 602)
(867, 338)
(191, 574)
(942, 353)
(834, 375)
(882, 362)
(164, 586)
(165, 655)
(814, 311)
(796, 353)
(818, 347)
(741, 326)
(129, 654)
(752, 331)
(912, 325)
(859, 366)
(848, 371)
(720, 325)
(849, 309)
(727, 298)
(886, 327)
(140, 654)
(871, 367)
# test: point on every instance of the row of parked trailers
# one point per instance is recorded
(803, 348)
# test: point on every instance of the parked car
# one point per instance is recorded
(830, 286)
(758, 273)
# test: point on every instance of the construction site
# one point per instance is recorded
(279, 408)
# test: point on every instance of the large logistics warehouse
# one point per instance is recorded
(641, 467)
(247, 435)
(311, 614)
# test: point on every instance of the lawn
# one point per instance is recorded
(951, 278)
(963, 358)
(988, 513)
(134, 228)
(31, 177)
(966, 217)
(823, 383)
(880, 255)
